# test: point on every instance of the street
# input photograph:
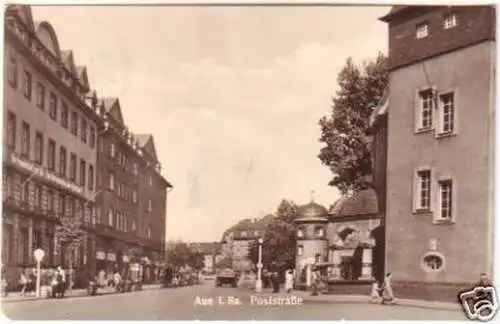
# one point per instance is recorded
(179, 304)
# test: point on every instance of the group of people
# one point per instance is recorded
(58, 285)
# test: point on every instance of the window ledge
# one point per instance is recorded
(443, 221)
(423, 130)
(446, 135)
(421, 211)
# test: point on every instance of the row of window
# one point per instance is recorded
(422, 29)
(124, 162)
(318, 232)
(49, 153)
(423, 195)
(119, 220)
(431, 103)
(46, 199)
(58, 111)
(121, 189)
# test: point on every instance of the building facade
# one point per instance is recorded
(439, 226)
(132, 194)
(50, 145)
(212, 254)
(69, 155)
(236, 240)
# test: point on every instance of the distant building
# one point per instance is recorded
(237, 239)
(340, 242)
(439, 219)
(212, 254)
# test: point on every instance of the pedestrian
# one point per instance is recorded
(484, 281)
(61, 281)
(289, 281)
(387, 293)
(117, 278)
(375, 294)
(23, 280)
(102, 278)
(315, 283)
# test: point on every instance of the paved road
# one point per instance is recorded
(179, 304)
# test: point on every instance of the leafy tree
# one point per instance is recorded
(197, 260)
(287, 211)
(347, 146)
(279, 241)
(70, 234)
(279, 244)
(179, 254)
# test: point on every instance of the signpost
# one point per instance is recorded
(39, 254)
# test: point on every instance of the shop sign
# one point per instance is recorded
(44, 173)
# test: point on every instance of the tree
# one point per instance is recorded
(347, 146)
(287, 211)
(179, 254)
(70, 234)
(279, 241)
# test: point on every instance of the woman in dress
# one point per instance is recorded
(288, 281)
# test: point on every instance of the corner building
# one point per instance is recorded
(49, 144)
(439, 213)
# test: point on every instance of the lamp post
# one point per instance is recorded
(39, 254)
(258, 282)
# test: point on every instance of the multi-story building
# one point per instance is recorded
(211, 252)
(131, 193)
(237, 239)
(50, 142)
(65, 151)
(439, 214)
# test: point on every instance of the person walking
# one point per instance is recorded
(288, 281)
(102, 278)
(387, 292)
(61, 281)
(23, 280)
(315, 283)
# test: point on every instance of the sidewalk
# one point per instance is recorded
(15, 296)
(363, 299)
(367, 299)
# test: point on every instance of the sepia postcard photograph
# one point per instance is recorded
(248, 161)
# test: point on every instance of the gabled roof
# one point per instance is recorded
(24, 12)
(147, 144)
(81, 73)
(68, 61)
(112, 107)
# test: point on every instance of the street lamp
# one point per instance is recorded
(258, 282)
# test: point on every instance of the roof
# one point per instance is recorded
(249, 225)
(311, 211)
(363, 202)
(395, 10)
(143, 139)
(206, 247)
(108, 102)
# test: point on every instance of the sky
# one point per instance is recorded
(232, 96)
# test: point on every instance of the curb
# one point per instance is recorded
(75, 294)
(367, 300)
